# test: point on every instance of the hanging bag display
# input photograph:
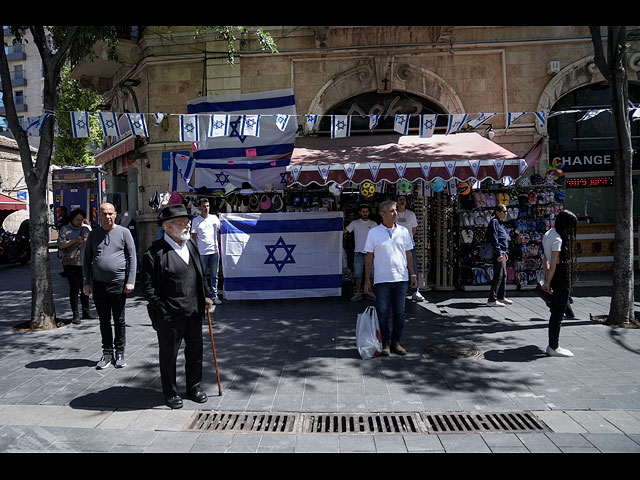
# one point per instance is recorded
(368, 339)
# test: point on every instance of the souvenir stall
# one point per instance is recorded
(381, 165)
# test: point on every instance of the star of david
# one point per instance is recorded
(401, 120)
(234, 130)
(109, 123)
(428, 123)
(250, 122)
(189, 127)
(283, 177)
(81, 124)
(271, 249)
(222, 178)
(137, 124)
(341, 125)
(218, 124)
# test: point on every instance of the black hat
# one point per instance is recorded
(173, 211)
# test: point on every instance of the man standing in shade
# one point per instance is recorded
(205, 230)
(175, 287)
(109, 274)
(360, 229)
(388, 248)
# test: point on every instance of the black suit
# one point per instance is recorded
(176, 295)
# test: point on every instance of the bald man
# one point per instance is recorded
(109, 274)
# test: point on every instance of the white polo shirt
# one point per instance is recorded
(389, 247)
(206, 230)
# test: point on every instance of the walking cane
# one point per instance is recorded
(215, 359)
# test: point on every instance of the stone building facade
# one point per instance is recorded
(458, 69)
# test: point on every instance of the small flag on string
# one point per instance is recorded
(80, 124)
(282, 121)
(373, 121)
(590, 114)
(138, 124)
(189, 128)
(34, 125)
(483, 117)
(427, 125)
(109, 121)
(401, 124)
(159, 118)
(250, 125)
(456, 121)
(340, 126)
(218, 125)
(542, 117)
(512, 117)
(312, 121)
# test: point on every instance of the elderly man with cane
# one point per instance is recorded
(174, 285)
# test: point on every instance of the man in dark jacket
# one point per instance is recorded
(498, 237)
(173, 283)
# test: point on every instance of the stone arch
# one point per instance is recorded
(368, 77)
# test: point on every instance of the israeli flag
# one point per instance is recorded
(240, 153)
(479, 120)
(181, 169)
(159, 118)
(250, 125)
(80, 124)
(340, 126)
(373, 121)
(590, 114)
(218, 125)
(109, 122)
(281, 255)
(282, 121)
(542, 117)
(138, 124)
(189, 128)
(455, 123)
(185, 166)
(34, 125)
(427, 125)
(512, 117)
(312, 121)
(401, 124)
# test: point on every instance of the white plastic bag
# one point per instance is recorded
(368, 339)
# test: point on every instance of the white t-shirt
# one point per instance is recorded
(360, 230)
(207, 233)
(551, 242)
(389, 247)
(408, 220)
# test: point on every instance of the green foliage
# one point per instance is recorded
(69, 150)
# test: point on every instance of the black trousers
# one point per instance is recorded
(558, 307)
(74, 277)
(110, 300)
(171, 333)
(499, 282)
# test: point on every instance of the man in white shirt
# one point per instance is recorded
(360, 229)
(388, 248)
(408, 219)
(205, 230)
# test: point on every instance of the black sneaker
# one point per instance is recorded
(119, 363)
(105, 361)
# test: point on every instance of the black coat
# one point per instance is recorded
(154, 273)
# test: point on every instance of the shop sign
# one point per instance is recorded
(587, 161)
(586, 182)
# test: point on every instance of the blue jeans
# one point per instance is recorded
(390, 296)
(211, 262)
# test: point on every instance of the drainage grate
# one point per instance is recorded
(243, 422)
(361, 423)
(514, 422)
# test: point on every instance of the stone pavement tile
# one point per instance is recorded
(244, 443)
(211, 443)
(172, 442)
(24, 439)
(612, 443)
(464, 443)
(593, 422)
(277, 443)
(571, 443)
(560, 422)
(317, 443)
(423, 443)
(624, 421)
(356, 444)
(538, 443)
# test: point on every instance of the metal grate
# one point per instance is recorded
(361, 423)
(243, 422)
(476, 422)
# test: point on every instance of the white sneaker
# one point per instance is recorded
(495, 304)
(506, 301)
(356, 297)
(417, 297)
(217, 301)
(559, 352)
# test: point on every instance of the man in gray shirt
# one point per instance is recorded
(109, 273)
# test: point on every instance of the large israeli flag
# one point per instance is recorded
(281, 255)
(233, 157)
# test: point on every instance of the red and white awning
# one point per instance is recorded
(12, 204)
(392, 158)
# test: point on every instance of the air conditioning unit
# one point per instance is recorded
(553, 67)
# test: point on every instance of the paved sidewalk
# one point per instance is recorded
(298, 357)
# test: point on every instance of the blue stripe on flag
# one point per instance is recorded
(241, 105)
(283, 162)
(281, 226)
(261, 150)
(296, 282)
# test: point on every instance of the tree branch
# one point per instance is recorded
(598, 51)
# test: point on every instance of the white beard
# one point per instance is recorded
(183, 236)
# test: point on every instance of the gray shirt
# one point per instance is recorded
(110, 257)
